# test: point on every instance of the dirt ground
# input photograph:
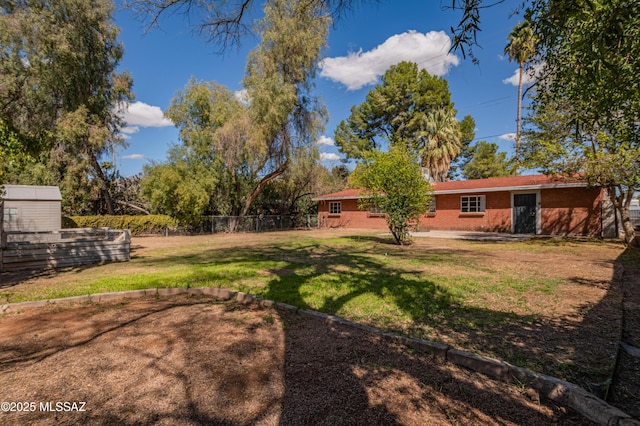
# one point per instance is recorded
(625, 392)
(194, 361)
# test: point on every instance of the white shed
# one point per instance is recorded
(31, 208)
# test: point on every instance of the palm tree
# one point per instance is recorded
(439, 142)
(520, 47)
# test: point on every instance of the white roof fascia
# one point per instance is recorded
(510, 188)
(344, 197)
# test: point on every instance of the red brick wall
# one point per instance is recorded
(496, 218)
(571, 211)
(351, 217)
(565, 211)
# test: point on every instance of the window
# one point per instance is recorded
(375, 210)
(472, 204)
(432, 206)
(11, 214)
(335, 207)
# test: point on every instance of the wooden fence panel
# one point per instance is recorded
(24, 255)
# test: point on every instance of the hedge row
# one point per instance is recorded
(136, 224)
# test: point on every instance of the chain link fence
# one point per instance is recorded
(261, 223)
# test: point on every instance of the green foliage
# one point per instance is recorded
(392, 111)
(521, 43)
(520, 47)
(135, 224)
(181, 187)
(68, 50)
(439, 142)
(393, 181)
(411, 108)
(291, 193)
(231, 150)
(15, 152)
(468, 133)
(487, 162)
(586, 108)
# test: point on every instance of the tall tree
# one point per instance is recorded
(60, 86)
(520, 47)
(439, 142)
(393, 182)
(487, 162)
(468, 134)
(590, 85)
(246, 146)
(409, 107)
(212, 170)
(283, 112)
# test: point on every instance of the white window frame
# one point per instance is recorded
(11, 214)
(472, 204)
(335, 207)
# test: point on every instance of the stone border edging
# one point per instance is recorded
(560, 391)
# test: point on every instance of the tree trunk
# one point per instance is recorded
(263, 182)
(622, 202)
(102, 181)
(518, 117)
(627, 227)
(133, 206)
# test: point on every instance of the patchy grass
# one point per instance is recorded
(542, 304)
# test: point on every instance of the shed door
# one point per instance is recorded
(524, 213)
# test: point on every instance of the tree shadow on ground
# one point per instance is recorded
(625, 388)
(388, 384)
(581, 350)
(557, 346)
(364, 285)
(190, 361)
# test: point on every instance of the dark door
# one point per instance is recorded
(524, 213)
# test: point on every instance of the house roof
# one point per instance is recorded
(510, 183)
(347, 194)
(31, 193)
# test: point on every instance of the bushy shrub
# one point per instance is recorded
(135, 224)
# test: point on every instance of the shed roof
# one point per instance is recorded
(31, 193)
(510, 183)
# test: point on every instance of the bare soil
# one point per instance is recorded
(625, 392)
(193, 361)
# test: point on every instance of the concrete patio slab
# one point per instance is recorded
(472, 235)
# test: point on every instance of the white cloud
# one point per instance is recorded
(325, 140)
(129, 130)
(144, 115)
(508, 136)
(326, 156)
(242, 96)
(528, 77)
(133, 157)
(430, 51)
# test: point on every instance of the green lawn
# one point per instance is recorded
(499, 299)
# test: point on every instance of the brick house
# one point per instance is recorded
(538, 204)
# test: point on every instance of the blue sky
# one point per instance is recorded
(361, 46)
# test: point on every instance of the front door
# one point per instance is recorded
(524, 213)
